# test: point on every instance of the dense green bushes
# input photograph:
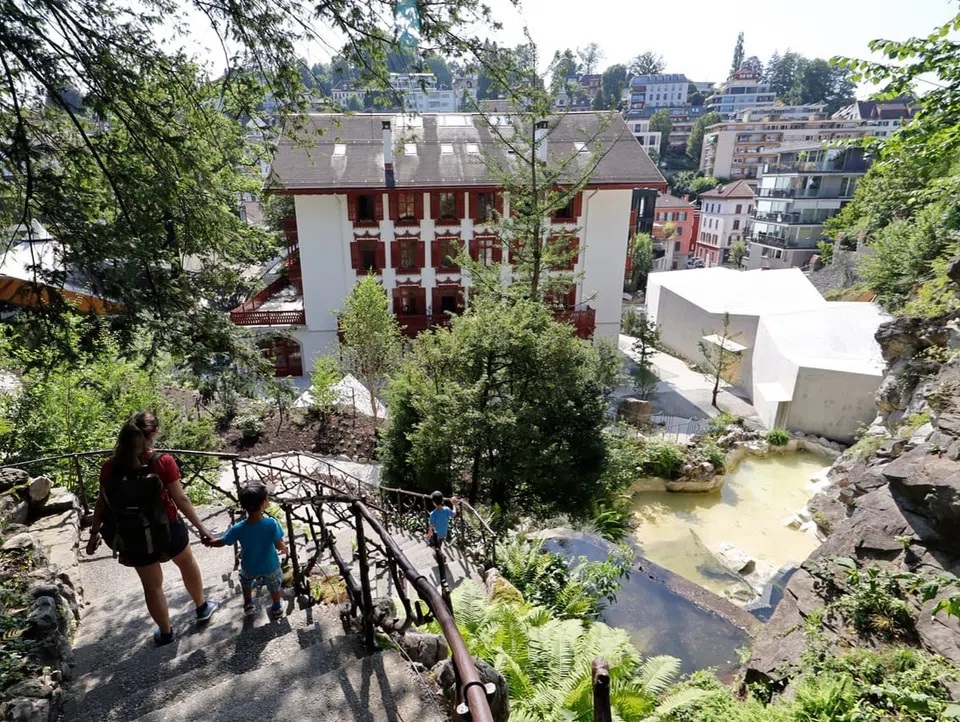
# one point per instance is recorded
(778, 437)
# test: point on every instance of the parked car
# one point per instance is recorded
(694, 263)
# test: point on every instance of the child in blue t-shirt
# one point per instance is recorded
(260, 537)
(439, 520)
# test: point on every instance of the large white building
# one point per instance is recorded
(806, 364)
(818, 371)
(649, 139)
(658, 91)
(725, 213)
(398, 196)
(883, 117)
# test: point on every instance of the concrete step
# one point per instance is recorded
(379, 688)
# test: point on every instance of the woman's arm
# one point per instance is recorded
(179, 496)
(95, 525)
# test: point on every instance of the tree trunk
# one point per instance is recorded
(373, 405)
(716, 388)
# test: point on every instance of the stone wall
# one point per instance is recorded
(41, 532)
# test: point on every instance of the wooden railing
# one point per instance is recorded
(317, 501)
(268, 318)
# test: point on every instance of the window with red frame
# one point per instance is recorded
(564, 213)
(406, 207)
(409, 301)
(447, 207)
(445, 253)
(486, 204)
(366, 208)
(407, 256)
(367, 256)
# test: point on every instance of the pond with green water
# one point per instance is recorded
(678, 531)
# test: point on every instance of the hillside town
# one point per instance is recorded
(418, 363)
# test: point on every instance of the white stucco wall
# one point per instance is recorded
(683, 324)
(770, 366)
(604, 226)
(832, 403)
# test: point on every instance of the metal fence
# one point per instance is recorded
(675, 428)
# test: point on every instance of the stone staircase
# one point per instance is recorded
(304, 666)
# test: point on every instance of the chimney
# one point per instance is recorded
(388, 176)
(540, 139)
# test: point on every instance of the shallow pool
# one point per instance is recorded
(677, 531)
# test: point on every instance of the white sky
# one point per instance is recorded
(697, 37)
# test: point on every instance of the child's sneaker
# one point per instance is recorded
(206, 610)
(276, 610)
(249, 608)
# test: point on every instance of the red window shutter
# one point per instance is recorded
(421, 254)
(421, 296)
(460, 210)
(378, 206)
(381, 256)
(355, 256)
(575, 249)
(475, 249)
(394, 207)
(418, 206)
(352, 207)
(395, 254)
(396, 300)
(435, 253)
(435, 205)
(435, 301)
(572, 297)
(577, 205)
(460, 301)
(498, 203)
(474, 205)
(498, 251)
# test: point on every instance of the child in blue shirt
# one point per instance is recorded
(260, 537)
(440, 518)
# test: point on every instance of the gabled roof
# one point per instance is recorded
(333, 152)
(737, 189)
(659, 79)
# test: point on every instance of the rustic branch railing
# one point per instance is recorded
(316, 500)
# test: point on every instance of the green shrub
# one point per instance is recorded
(717, 426)
(250, 425)
(663, 458)
(778, 437)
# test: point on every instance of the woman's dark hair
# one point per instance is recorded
(252, 495)
(132, 441)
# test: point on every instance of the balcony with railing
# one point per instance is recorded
(781, 240)
(796, 218)
(831, 165)
(280, 303)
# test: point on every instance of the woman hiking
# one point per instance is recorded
(137, 515)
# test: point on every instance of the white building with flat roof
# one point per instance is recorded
(818, 371)
(806, 364)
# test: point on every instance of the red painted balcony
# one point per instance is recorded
(584, 321)
(279, 304)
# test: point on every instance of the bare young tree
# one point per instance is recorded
(719, 357)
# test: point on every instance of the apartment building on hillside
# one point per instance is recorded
(883, 117)
(658, 91)
(741, 91)
(805, 186)
(725, 213)
(399, 196)
(647, 138)
(739, 149)
(682, 119)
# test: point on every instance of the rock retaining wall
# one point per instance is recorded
(42, 531)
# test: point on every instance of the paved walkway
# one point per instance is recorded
(685, 393)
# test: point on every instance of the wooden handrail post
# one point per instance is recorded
(366, 614)
(601, 691)
(294, 562)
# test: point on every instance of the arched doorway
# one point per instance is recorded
(286, 355)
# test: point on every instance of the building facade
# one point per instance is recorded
(674, 232)
(884, 118)
(796, 195)
(682, 119)
(724, 215)
(742, 91)
(658, 91)
(400, 196)
(739, 149)
(645, 137)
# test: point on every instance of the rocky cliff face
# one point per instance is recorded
(894, 502)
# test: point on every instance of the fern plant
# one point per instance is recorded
(546, 662)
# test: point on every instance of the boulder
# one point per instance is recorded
(38, 489)
(497, 693)
(635, 412)
(827, 512)
(899, 338)
(59, 501)
(953, 270)
(930, 484)
(42, 619)
(10, 477)
(755, 572)
(59, 536)
(425, 649)
(26, 709)
(13, 509)
(499, 588)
